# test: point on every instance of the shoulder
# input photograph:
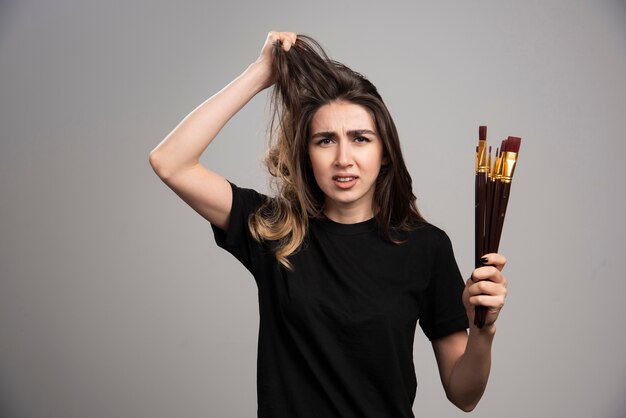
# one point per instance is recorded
(428, 239)
(424, 231)
(246, 197)
(247, 191)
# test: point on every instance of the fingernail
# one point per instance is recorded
(483, 260)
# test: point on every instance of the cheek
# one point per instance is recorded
(373, 160)
(314, 165)
(317, 161)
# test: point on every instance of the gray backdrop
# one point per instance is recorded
(115, 300)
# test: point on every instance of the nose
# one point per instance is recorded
(343, 157)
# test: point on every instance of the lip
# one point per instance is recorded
(344, 175)
(346, 185)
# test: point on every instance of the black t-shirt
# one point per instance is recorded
(336, 335)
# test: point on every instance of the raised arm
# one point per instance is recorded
(176, 159)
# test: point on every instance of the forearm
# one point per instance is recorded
(185, 144)
(470, 374)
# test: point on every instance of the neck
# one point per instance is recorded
(348, 215)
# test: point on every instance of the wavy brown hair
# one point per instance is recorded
(306, 79)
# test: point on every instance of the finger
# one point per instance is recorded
(490, 302)
(272, 38)
(494, 259)
(486, 287)
(293, 37)
(488, 273)
(285, 39)
(275, 36)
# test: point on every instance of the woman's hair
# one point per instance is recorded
(305, 80)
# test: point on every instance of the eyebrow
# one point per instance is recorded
(353, 132)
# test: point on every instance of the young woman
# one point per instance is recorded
(344, 263)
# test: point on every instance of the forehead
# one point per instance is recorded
(342, 116)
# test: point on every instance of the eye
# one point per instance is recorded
(324, 141)
(361, 139)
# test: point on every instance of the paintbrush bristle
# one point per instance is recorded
(482, 133)
(513, 144)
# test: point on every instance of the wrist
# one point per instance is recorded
(261, 73)
(488, 331)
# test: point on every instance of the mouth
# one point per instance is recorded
(344, 179)
(345, 182)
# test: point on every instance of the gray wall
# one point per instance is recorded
(115, 300)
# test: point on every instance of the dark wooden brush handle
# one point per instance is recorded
(480, 211)
(504, 201)
(494, 238)
(480, 226)
(500, 202)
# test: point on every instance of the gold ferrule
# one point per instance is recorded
(477, 160)
(508, 166)
(481, 158)
(497, 168)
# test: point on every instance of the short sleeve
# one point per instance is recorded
(237, 239)
(443, 311)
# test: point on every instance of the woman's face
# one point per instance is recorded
(346, 154)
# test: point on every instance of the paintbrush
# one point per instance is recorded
(480, 201)
(509, 160)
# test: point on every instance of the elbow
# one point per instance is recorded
(152, 159)
(465, 406)
(154, 163)
(165, 167)
(157, 165)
